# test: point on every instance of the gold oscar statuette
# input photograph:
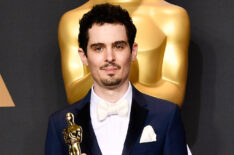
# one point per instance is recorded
(72, 135)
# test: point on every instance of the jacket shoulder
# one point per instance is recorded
(153, 103)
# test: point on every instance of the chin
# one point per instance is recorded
(111, 83)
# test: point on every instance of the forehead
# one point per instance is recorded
(107, 33)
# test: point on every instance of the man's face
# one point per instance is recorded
(108, 54)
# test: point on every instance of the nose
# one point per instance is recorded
(110, 55)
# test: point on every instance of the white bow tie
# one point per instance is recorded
(104, 109)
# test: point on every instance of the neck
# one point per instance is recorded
(111, 94)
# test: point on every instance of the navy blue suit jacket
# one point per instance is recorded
(162, 115)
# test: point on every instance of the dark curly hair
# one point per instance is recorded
(105, 13)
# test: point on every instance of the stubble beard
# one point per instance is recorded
(111, 82)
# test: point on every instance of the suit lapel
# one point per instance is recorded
(89, 143)
(137, 119)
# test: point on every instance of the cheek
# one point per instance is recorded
(93, 66)
(93, 61)
(126, 59)
(125, 64)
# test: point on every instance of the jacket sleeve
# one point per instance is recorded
(53, 145)
(175, 142)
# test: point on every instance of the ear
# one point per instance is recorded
(134, 51)
(83, 57)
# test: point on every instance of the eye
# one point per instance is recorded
(98, 48)
(118, 46)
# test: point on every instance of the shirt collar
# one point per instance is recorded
(94, 99)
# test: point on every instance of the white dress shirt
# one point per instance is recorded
(111, 132)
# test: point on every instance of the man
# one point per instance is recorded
(115, 117)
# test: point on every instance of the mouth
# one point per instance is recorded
(110, 71)
(110, 68)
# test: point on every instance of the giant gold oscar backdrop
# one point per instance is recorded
(163, 32)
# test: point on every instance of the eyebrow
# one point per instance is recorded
(114, 43)
(120, 42)
(96, 44)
